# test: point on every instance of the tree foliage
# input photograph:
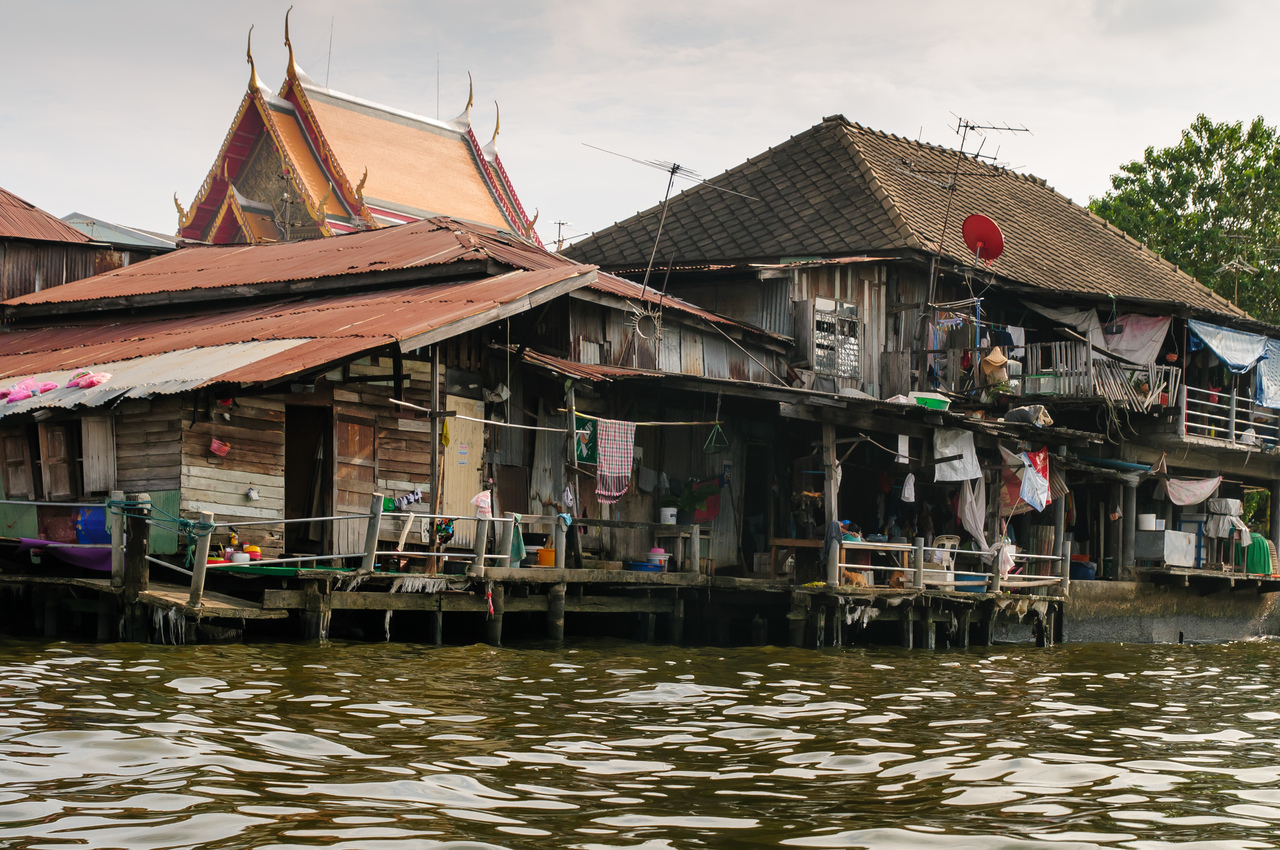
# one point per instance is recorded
(1211, 205)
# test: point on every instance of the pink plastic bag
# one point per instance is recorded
(45, 386)
(93, 380)
(75, 379)
(17, 395)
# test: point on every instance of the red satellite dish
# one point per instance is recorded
(983, 237)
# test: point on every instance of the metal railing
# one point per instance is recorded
(1227, 416)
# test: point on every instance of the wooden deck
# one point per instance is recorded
(216, 605)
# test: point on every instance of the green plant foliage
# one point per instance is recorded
(1211, 201)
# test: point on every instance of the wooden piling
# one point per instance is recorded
(201, 562)
(555, 611)
(493, 626)
(759, 631)
(316, 611)
(117, 539)
(437, 628)
(675, 624)
(960, 637)
(136, 569)
(907, 627)
(371, 533)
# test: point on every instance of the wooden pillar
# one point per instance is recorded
(926, 631)
(819, 617)
(987, 627)
(695, 547)
(1130, 531)
(316, 611)
(493, 626)
(960, 638)
(437, 628)
(1115, 529)
(201, 562)
(675, 625)
(432, 564)
(558, 532)
(136, 569)
(759, 631)
(907, 627)
(831, 498)
(51, 600)
(117, 539)
(1065, 566)
(106, 617)
(797, 617)
(371, 533)
(650, 626)
(555, 611)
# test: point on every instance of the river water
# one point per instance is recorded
(609, 745)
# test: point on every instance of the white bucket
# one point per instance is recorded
(667, 516)
(1146, 522)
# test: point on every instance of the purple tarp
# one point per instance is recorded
(90, 559)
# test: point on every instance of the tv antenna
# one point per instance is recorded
(560, 237)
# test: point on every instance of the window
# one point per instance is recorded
(835, 339)
(75, 458)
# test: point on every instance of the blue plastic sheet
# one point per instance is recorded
(1268, 390)
(1239, 351)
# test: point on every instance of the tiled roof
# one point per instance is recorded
(21, 220)
(841, 188)
(412, 163)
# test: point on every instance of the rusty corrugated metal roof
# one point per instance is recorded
(21, 220)
(325, 329)
(584, 371)
(420, 244)
(632, 291)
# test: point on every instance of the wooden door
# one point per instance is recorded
(355, 476)
(56, 470)
(463, 467)
(98, 449)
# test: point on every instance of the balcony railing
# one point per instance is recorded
(1229, 417)
(1069, 370)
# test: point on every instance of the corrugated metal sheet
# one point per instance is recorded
(615, 285)
(420, 244)
(585, 371)
(21, 220)
(340, 325)
(161, 374)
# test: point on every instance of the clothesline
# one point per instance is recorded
(606, 419)
(484, 421)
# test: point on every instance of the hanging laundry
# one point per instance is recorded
(909, 488)
(647, 479)
(615, 450)
(949, 442)
(1187, 491)
(1035, 479)
(1140, 337)
(585, 440)
(972, 509)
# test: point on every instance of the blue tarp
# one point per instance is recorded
(1268, 392)
(1239, 351)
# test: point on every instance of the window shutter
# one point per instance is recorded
(19, 483)
(98, 450)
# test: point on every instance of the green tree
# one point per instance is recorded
(1211, 205)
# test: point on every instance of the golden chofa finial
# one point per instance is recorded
(254, 83)
(528, 228)
(360, 187)
(471, 93)
(183, 218)
(292, 67)
(497, 122)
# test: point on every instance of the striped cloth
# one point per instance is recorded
(615, 448)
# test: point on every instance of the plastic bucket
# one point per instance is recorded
(667, 516)
(546, 557)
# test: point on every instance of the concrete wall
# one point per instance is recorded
(1140, 612)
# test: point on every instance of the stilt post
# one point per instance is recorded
(555, 611)
(136, 569)
(371, 533)
(917, 562)
(201, 562)
(493, 627)
(117, 539)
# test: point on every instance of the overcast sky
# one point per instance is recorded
(110, 108)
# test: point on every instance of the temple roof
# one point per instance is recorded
(413, 162)
(354, 164)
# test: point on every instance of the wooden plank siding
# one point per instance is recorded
(149, 445)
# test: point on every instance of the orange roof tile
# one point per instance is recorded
(411, 163)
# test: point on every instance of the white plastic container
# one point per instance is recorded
(667, 516)
(1146, 522)
(1159, 525)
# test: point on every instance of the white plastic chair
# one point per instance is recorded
(949, 543)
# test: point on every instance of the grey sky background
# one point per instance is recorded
(110, 108)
